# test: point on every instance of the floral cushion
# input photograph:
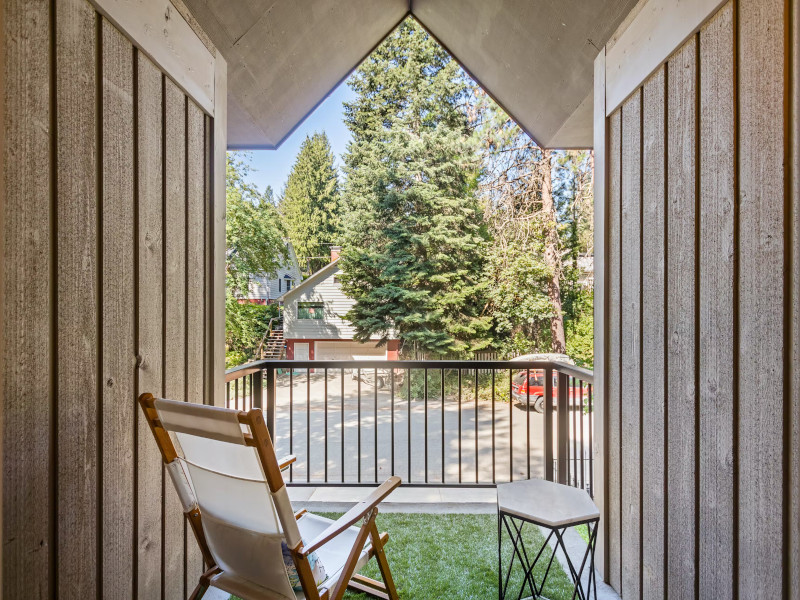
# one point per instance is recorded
(317, 568)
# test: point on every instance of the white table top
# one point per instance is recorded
(545, 502)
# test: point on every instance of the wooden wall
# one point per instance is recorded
(107, 237)
(703, 319)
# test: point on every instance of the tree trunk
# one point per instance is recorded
(552, 256)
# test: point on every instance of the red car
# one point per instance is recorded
(534, 388)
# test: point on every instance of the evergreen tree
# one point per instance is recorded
(415, 239)
(310, 204)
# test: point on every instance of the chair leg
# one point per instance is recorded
(378, 542)
(198, 592)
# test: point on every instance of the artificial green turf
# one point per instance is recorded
(455, 556)
(435, 557)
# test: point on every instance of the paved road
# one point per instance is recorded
(307, 421)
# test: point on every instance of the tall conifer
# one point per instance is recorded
(310, 204)
(415, 239)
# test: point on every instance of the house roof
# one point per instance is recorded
(534, 57)
(313, 279)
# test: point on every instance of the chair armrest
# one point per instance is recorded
(352, 516)
(284, 462)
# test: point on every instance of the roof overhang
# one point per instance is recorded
(534, 57)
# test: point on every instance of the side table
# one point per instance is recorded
(555, 507)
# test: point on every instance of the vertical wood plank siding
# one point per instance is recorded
(150, 308)
(654, 493)
(613, 412)
(681, 320)
(195, 288)
(716, 309)
(794, 415)
(631, 284)
(174, 315)
(118, 350)
(720, 298)
(88, 281)
(762, 194)
(29, 311)
(77, 347)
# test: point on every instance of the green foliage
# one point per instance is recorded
(246, 325)
(310, 204)
(255, 244)
(580, 330)
(414, 237)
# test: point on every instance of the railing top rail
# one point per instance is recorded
(584, 375)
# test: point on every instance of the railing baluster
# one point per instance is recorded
(527, 417)
(591, 448)
(494, 443)
(359, 425)
(391, 379)
(271, 394)
(342, 425)
(510, 430)
(583, 446)
(228, 394)
(308, 425)
(547, 421)
(325, 430)
(408, 423)
(375, 428)
(426, 424)
(477, 475)
(236, 393)
(459, 426)
(443, 446)
(574, 433)
(562, 420)
(291, 420)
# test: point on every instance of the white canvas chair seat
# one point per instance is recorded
(333, 555)
(224, 470)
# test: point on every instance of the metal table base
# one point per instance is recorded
(513, 525)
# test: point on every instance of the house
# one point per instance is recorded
(265, 289)
(314, 325)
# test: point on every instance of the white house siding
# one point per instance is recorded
(266, 288)
(332, 326)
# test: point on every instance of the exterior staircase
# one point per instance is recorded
(273, 345)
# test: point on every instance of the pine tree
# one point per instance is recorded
(310, 204)
(415, 239)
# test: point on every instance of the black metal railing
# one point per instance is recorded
(432, 422)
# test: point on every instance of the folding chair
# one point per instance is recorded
(223, 466)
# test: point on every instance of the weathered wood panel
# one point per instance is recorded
(174, 316)
(83, 303)
(613, 412)
(118, 350)
(195, 289)
(631, 344)
(150, 293)
(653, 331)
(716, 304)
(681, 320)
(762, 190)
(77, 321)
(28, 525)
(794, 510)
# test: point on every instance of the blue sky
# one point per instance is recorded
(272, 167)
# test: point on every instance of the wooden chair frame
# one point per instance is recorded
(366, 510)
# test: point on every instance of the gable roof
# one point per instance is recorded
(285, 57)
(313, 279)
